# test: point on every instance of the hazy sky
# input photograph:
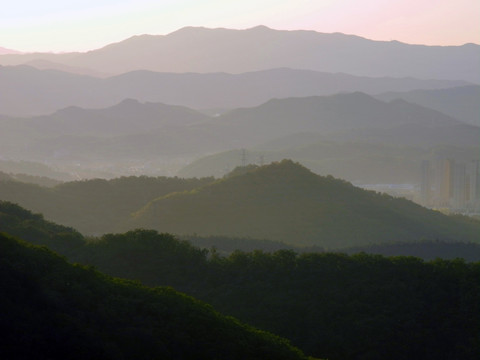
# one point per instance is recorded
(67, 25)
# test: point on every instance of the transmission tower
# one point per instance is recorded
(244, 158)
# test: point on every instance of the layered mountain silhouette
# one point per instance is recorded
(147, 131)
(132, 130)
(366, 111)
(128, 117)
(49, 65)
(458, 102)
(28, 91)
(341, 112)
(286, 202)
(194, 49)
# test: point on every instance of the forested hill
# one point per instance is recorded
(331, 305)
(54, 310)
(286, 202)
(94, 206)
(33, 228)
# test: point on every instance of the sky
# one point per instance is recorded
(82, 25)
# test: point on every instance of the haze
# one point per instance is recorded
(269, 161)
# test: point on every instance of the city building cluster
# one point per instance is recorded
(451, 184)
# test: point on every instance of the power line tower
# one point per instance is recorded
(262, 160)
(244, 158)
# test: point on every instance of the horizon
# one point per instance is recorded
(16, 51)
(81, 26)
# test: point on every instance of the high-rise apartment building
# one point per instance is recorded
(452, 184)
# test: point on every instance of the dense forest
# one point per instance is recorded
(330, 305)
(54, 310)
(334, 306)
(424, 249)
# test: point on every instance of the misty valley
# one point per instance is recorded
(255, 194)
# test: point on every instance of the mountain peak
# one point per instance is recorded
(129, 102)
(260, 28)
(275, 170)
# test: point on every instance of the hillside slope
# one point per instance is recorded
(286, 202)
(331, 305)
(54, 310)
(94, 206)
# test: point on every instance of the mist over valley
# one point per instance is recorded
(221, 193)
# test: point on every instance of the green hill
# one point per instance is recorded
(286, 202)
(54, 310)
(331, 305)
(94, 206)
(33, 228)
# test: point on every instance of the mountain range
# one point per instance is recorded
(196, 49)
(162, 139)
(342, 112)
(27, 91)
(143, 132)
(265, 244)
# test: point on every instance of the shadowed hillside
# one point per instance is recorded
(54, 310)
(331, 305)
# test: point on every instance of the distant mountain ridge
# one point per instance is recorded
(194, 49)
(127, 117)
(27, 91)
(328, 115)
(459, 102)
(148, 132)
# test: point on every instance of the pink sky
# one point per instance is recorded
(80, 25)
(439, 22)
